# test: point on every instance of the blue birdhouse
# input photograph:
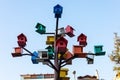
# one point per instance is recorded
(58, 11)
(98, 49)
(40, 28)
(34, 57)
(50, 52)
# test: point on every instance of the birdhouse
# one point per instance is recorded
(69, 31)
(78, 51)
(43, 54)
(34, 57)
(68, 55)
(50, 40)
(22, 40)
(40, 28)
(63, 72)
(61, 32)
(98, 49)
(61, 45)
(18, 52)
(82, 39)
(58, 11)
(50, 52)
(90, 59)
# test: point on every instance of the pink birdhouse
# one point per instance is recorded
(61, 44)
(82, 39)
(69, 31)
(22, 40)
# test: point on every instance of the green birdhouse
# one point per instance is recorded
(50, 51)
(40, 28)
(98, 49)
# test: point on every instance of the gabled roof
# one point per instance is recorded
(81, 35)
(22, 35)
(62, 39)
(68, 26)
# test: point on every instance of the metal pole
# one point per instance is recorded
(56, 53)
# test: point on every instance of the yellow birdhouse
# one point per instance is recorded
(50, 40)
(63, 72)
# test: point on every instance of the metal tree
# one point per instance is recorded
(57, 46)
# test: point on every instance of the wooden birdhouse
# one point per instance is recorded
(98, 49)
(63, 72)
(50, 52)
(78, 51)
(43, 54)
(82, 39)
(58, 11)
(68, 55)
(22, 40)
(61, 32)
(34, 57)
(61, 45)
(90, 59)
(18, 52)
(40, 28)
(69, 31)
(50, 40)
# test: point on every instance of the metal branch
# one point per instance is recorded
(52, 65)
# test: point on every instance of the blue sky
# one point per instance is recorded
(98, 19)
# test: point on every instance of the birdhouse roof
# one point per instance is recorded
(40, 25)
(49, 47)
(68, 26)
(22, 35)
(58, 6)
(82, 36)
(62, 39)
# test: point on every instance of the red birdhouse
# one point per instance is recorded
(82, 39)
(61, 45)
(22, 40)
(69, 31)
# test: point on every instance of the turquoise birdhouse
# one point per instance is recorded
(50, 52)
(98, 49)
(34, 57)
(40, 28)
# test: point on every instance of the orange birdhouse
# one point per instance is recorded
(68, 55)
(78, 51)
(61, 45)
(22, 40)
(18, 52)
(69, 31)
(82, 39)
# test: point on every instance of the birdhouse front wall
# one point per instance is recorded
(61, 46)
(82, 39)
(18, 50)
(77, 49)
(50, 40)
(98, 49)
